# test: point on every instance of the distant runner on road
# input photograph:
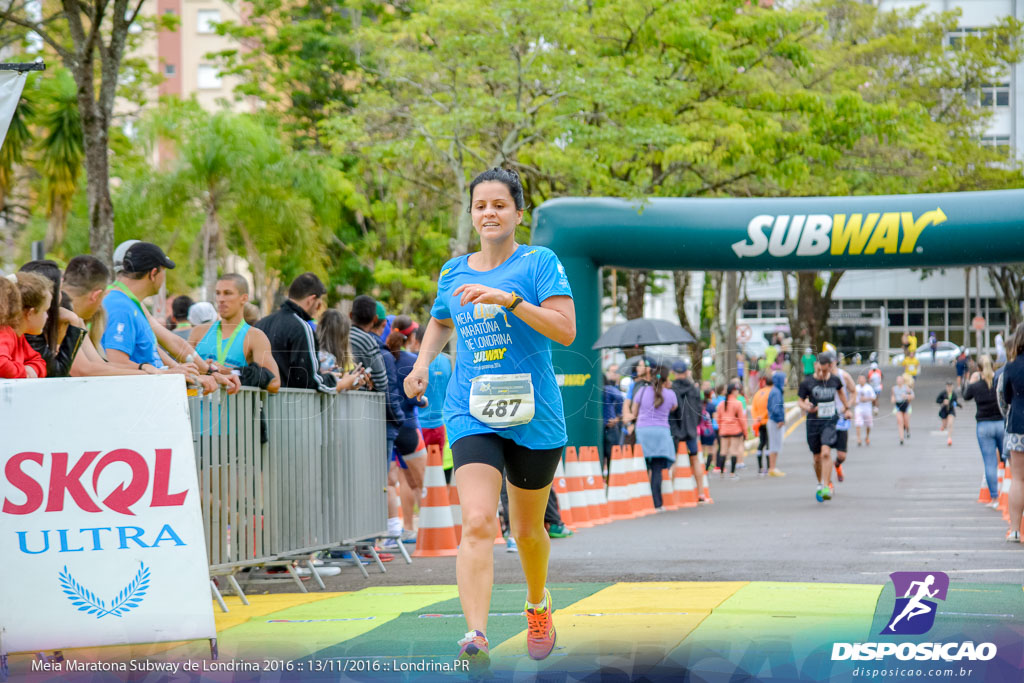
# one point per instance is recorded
(902, 395)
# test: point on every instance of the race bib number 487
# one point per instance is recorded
(502, 400)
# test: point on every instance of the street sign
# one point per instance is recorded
(743, 333)
(978, 323)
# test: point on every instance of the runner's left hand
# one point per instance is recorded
(480, 294)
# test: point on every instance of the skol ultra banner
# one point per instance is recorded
(101, 533)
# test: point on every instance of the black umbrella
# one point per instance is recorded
(642, 332)
(651, 358)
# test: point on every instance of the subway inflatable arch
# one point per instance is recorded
(792, 233)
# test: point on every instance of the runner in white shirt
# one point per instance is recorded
(875, 379)
(863, 415)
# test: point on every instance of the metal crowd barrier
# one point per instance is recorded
(312, 476)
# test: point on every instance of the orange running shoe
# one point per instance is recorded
(540, 630)
(839, 472)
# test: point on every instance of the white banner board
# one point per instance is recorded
(11, 85)
(101, 532)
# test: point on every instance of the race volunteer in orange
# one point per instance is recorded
(503, 411)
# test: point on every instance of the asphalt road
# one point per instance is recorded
(901, 508)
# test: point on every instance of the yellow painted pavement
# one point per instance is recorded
(630, 620)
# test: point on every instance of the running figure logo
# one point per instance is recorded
(914, 613)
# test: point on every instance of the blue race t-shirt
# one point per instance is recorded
(440, 373)
(128, 330)
(491, 340)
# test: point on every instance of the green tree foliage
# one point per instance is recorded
(231, 186)
(457, 87)
(297, 58)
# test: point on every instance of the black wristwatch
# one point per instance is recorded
(516, 300)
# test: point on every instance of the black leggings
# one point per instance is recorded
(657, 466)
(762, 445)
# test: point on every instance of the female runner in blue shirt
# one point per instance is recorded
(503, 411)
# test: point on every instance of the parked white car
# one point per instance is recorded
(945, 354)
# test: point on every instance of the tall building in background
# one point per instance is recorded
(180, 56)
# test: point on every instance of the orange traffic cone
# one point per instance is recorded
(668, 495)
(562, 496)
(643, 501)
(983, 495)
(456, 508)
(436, 535)
(620, 502)
(577, 497)
(686, 485)
(597, 504)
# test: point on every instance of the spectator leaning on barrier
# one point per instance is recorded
(85, 283)
(366, 350)
(61, 338)
(173, 349)
(292, 341)
(130, 337)
(333, 332)
(231, 345)
(24, 300)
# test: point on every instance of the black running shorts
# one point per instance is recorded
(524, 467)
(821, 433)
(842, 439)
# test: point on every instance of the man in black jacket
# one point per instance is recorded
(683, 422)
(291, 337)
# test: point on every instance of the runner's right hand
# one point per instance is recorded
(416, 382)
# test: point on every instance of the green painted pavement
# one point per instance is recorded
(417, 633)
(299, 632)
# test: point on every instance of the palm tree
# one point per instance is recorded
(62, 151)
